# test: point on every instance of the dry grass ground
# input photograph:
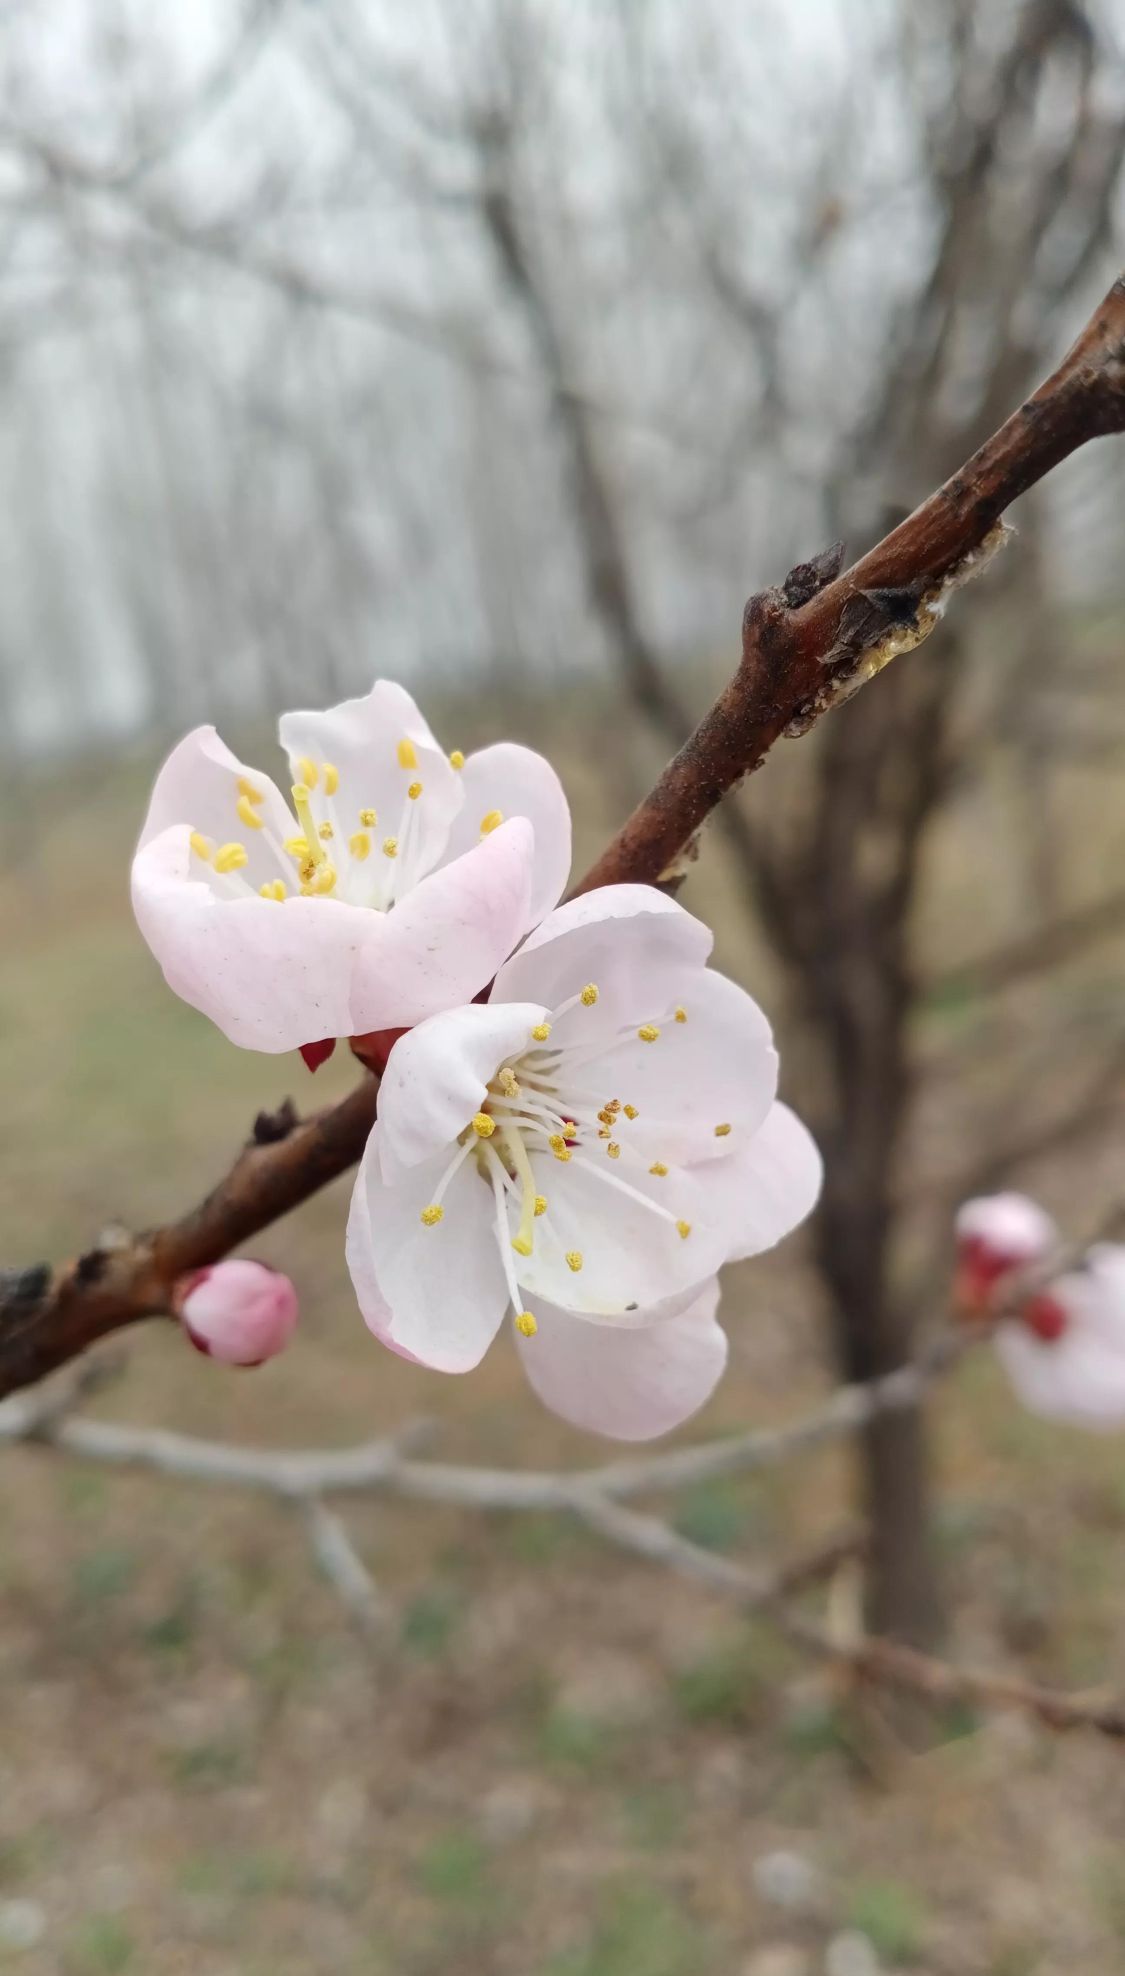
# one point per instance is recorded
(558, 1762)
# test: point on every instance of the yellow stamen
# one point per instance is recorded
(614, 1150)
(589, 995)
(522, 1244)
(456, 759)
(483, 1126)
(683, 1230)
(248, 790)
(407, 756)
(648, 1032)
(310, 774)
(325, 880)
(540, 1203)
(681, 1015)
(491, 822)
(658, 1167)
(274, 888)
(526, 1325)
(574, 1260)
(306, 820)
(331, 777)
(368, 818)
(432, 1215)
(231, 857)
(508, 1082)
(414, 791)
(306, 874)
(721, 1131)
(390, 847)
(631, 1111)
(201, 845)
(325, 832)
(359, 844)
(559, 1146)
(541, 1032)
(247, 814)
(605, 1133)
(297, 847)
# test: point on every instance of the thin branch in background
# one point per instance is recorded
(1033, 954)
(343, 1567)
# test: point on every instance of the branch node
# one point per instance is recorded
(270, 1128)
(805, 579)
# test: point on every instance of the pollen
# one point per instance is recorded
(307, 871)
(456, 759)
(522, 1244)
(247, 789)
(491, 822)
(631, 1111)
(559, 1146)
(614, 1150)
(681, 1015)
(231, 857)
(325, 832)
(331, 776)
(407, 756)
(432, 1215)
(540, 1203)
(658, 1167)
(721, 1131)
(390, 847)
(683, 1230)
(483, 1126)
(310, 774)
(574, 1260)
(274, 888)
(541, 1032)
(368, 818)
(247, 814)
(508, 1081)
(359, 844)
(201, 845)
(526, 1325)
(589, 995)
(648, 1032)
(414, 791)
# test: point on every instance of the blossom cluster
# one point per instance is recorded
(577, 1121)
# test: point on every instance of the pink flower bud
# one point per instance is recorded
(238, 1312)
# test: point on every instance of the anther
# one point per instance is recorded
(307, 871)
(247, 814)
(540, 1203)
(541, 1032)
(201, 845)
(325, 880)
(614, 1150)
(574, 1260)
(631, 1111)
(559, 1146)
(589, 995)
(359, 844)
(390, 847)
(368, 818)
(407, 756)
(331, 776)
(414, 791)
(721, 1131)
(483, 1126)
(247, 789)
(508, 1081)
(325, 832)
(310, 774)
(297, 847)
(274, 888)
(432, 1215)
(683, 1230)
(526, 1325)
(491, 822)
(648, 1032)
(681, 1015)
(456, 759)
(658, 1167)
(231, 857)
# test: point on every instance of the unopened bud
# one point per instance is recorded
(238, 1312)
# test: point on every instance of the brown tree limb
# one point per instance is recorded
(805, 646)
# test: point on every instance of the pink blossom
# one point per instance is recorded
(584, 1149)
(239, 1312)
(997, 1234)
(395, 886)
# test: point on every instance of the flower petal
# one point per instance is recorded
(632, 1258)
(361, 739)
(1078, 1378)
(437, 1074)
(518, 782)
(443, 1286)
(628, 1384)
(198, 786)
(272, 975)
(765, 1189)
(443, 942)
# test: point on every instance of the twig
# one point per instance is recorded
(343, 1567)
(805, 646)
